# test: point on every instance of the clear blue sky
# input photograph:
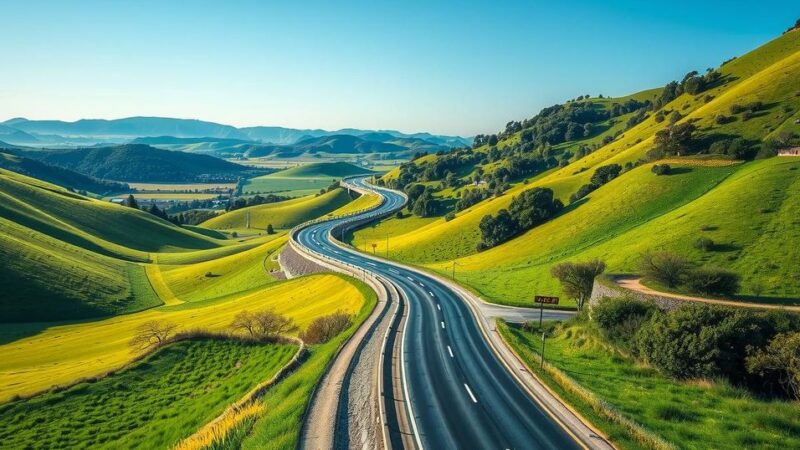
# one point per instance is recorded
(446, 67)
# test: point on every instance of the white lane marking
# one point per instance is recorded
(410, 279)
(451, 351)
(429, 292)
(394, 271)
(442, 324)
(439, 306)
(371, 264)
(420, 283)
(474, 400)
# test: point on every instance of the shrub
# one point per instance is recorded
(325, 328)
(664, 267)
(152, 334)
(449, 216)
(621, 318)
(781, 359)
(704, 243)
(714, 281)
(661, 169)
(604, 174)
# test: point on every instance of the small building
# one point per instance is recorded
(794, 151)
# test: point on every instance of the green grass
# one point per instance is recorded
(281, 215)
(279, 426)
(152, 404)
(336, 170)
(750, 216)
(301, 180)
(691, 414)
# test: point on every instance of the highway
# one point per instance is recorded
(460, 395)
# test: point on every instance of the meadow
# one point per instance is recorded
(301, 180)
(37, 356)
(151, 404)
(689, 414)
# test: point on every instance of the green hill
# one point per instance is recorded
(746, 111)
(322, 170)
(142, 163)
(58, 175)
(67, 256)
(281, 215)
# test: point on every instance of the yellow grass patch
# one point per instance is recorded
(62, 354)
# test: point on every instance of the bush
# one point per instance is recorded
(713, 281)
(703, 243)
(661, 169)
(582, 191)
(449, 216)
(664, 267)
(621, 318)
(781, 360)
(325, 328)
(705, 341)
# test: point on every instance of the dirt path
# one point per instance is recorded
(635, 284)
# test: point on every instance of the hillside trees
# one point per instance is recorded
(676, 139)
(152, 334)
(601, 176)
(527, 210)
(263, 324)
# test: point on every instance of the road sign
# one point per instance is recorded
(544, 299)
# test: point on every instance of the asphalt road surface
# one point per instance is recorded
(461, 395)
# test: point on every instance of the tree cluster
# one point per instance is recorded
(325, 328)
(527, 210)
(601, 176)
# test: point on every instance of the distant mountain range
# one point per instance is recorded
(98, 131)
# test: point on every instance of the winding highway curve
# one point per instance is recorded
(459, 393)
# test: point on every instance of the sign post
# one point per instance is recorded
(541, 300)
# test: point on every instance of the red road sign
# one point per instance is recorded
(544, 299)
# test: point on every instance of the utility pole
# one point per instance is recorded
(374, 247)
(541, 365)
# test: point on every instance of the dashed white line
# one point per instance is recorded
(410, 279)
(420, 283)
(442, 324)
(450, 350)
(429, 292)
(372, 264)
(474, 400)
(394, 271)
(439, 306)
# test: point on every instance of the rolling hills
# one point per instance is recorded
(59, 175)
(281, 215)
(142, 163)
(751, 108)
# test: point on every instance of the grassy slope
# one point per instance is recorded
(219, 277)
(279, 427)
(282, 215)
(36, 358)
(689, 414)
(767, 73)
(152, 404)
(321, 170)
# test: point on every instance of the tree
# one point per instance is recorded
(270, 230)
(577, 279)
(664, 267)
(425, 205)
(152, 334)
(604, 174)
(782, 358)
(325, 328)
(263, 324)
(676, 139)
(131, 202)
(497, 229)
(661, 169)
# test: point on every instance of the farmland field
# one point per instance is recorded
(151, 404)
(177, 187)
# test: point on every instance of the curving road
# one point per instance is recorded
(460, 394)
